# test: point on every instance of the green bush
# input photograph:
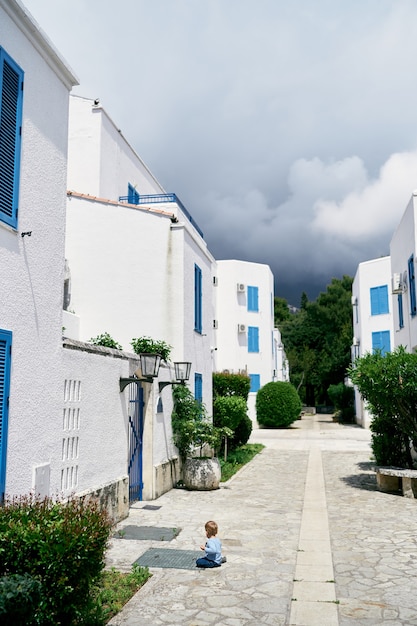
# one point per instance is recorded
(343, 399)
(62, 544)
(242, 433)
(277, 405)
(105, 340)
(146, 345)
(20, 595)
(231, 385)
(229, 411)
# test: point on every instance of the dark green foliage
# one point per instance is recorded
(20, 595)
(281, 311)
(190, 426)
(343, 399)
(388, 384)
(229, 411)
(105, 340)
(277, 405)
(62, 544)
(242, 433)
(231, 385)
(146, 345)
(317, 341)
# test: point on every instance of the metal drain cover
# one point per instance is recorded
(166, 558)
(150, 533)
(151, 507)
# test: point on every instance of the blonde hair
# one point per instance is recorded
(211, 528)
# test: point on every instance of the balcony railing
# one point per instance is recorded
(162, 197)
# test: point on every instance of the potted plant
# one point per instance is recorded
(146, 345)
(197, 440)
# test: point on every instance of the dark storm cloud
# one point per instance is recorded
(288, 129)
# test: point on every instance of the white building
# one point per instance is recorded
(372, 317)
(33, 126)
(138, 266)
(403, 249)
(244, 324)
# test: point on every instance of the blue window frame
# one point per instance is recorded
(132, 195)
(379, 300)
(412, 286)
(253, 339)
(5, 360)
(11, 99)
(381, 341)
(253, 293)
(198, 387)
(198, 300)
(400, 311)
(255, 382)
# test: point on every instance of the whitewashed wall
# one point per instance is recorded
(231, 309)
(369, 274)
(31, 268)
(403, 245)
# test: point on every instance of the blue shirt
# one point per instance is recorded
(214, 550)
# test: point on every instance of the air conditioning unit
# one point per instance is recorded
(215, 324)
(354, 301)
(241, 328)
(241, 287)
(397, 283)
(355, 341)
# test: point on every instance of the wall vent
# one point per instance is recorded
(241, 328)
(241, 287)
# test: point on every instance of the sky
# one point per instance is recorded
(287, 129)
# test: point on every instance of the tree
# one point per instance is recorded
(281, 311)
(317, 341)
(388, 384)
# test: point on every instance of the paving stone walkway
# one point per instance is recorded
(308, 538)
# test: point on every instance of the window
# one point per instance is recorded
(255, 382)
(132, 195)
(5, 358)
(379, 300)
(253, 299)
(400, 311)
(412, 286)
(198, 387)
(253, 339)
(198, 324)
(381, 341)
(11, 98)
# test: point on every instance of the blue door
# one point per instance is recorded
(5, 359)
(136, 418)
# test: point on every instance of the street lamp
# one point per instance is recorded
(148, 370)
(182, 374)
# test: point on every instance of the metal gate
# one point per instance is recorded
(136, 417)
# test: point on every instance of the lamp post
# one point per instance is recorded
(148, 370)
(182, 374)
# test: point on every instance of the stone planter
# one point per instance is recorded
(201, 473)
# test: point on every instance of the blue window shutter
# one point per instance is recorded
(412, 286)
(253, 297)
(132, 195)
(381, 341)
(198, 387)
(255, 382)
(253, 339)
(11, 98)
(198, 296)
(379, 300)
(400, 311)
(5, 358)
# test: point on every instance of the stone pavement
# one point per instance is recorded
(308, 538)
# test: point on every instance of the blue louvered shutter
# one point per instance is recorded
(132, 195)
(5, 358)
(253, 339)
(381, 341)
(198, 387)
(198, 295)
(400, 311)
(412, 286)
(11, 98)
(379, 300)
(253, 304)
(255, 382)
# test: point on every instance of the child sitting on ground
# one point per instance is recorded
(212, 547)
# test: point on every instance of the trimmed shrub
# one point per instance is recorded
(277, 405)
(229, 411)
(62, 544)
(242, 433)
(19, 598)
(231, 385)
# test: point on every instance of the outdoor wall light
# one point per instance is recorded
(182, 374)
(148, 370)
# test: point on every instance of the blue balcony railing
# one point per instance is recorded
(162, 197)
